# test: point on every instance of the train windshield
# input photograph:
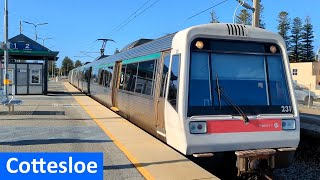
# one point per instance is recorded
(248, 75)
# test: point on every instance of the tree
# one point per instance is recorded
(261, 22)
(67, 65)
(295, 40)
(284, 26)
(307, 40)
(214, 18)
(51, 64)
(244, 17)
(77, 63)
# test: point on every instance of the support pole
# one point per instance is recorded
(256, 13)
(6, 50)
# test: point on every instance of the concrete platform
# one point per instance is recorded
(68, 121)
(310, 122)
(154, 159)
(57, 123)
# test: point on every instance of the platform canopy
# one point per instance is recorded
(24, 48)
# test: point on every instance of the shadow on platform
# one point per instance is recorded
(128, 166)
(62, 93)
(39, 113)
(51, 141)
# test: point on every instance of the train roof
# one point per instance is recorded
(151, 47)
(146, 47)
(135, 44)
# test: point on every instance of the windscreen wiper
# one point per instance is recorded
(218, 90)
(227, 99)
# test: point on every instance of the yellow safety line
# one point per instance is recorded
(133, 159)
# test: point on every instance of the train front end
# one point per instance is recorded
(235, 95)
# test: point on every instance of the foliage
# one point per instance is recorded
(67, 65)
(50, 65)
(284, 26)
(261, 22)
(307, 40)
(244, 17)
(77, 63)
(214, 18)
(295, 40)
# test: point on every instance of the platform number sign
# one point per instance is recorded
(20, 46)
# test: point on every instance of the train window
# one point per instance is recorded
(174, 80)
(122, 77)
(100, 77)
(94, 75)
(130, 77)
(165, 69)
(200, 90)
(246, 73)
(145, 79)
(279, 95)
(86, 75)
(108, 76)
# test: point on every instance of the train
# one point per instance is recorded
(205, 90)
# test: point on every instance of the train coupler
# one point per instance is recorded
(251, 161)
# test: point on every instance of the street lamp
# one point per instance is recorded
(35, 27)
(43, 39)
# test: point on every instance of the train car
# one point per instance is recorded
(206, 90)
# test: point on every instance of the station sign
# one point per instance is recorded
(62, 166)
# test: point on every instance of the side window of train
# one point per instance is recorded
(122, 77)
(145, 78)
(95, 73)
(174, 80)
(86, 75)
(130, 77)
(166, 63)
(107, 76)
(100, 77)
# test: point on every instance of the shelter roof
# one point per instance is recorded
(24, 48)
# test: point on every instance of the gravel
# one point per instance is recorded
(306, 164)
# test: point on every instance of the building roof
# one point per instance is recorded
(24, 48)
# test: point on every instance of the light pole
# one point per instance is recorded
(6, 51)
(43, 39)
(35, 27)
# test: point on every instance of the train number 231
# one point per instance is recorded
(286, 108)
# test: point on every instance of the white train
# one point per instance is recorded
(205, 90)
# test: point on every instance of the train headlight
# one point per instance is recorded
(198, 127)
(288, 124)
(199, 44)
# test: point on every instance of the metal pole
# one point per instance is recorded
(35, 30)
(256, 13)
(52, 70)
(6, 53)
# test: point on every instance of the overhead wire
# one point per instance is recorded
(127, 21)
(207, 9)
(128, 18)
(136, 16)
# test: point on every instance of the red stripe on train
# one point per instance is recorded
(230, 126)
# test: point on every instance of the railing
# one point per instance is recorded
(10, 102)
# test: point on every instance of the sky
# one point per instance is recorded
(74, 26)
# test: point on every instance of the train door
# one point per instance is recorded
(89, 79)
(115, 85)
(161, 78)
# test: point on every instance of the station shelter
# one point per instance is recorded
(28, 66)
